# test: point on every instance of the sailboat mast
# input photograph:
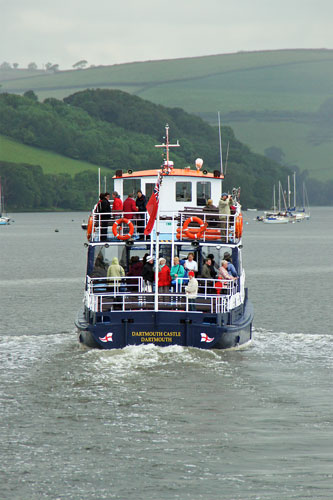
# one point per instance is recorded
(288, 191)
(295, 190)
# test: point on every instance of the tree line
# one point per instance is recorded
(26, 187)
(119, 131)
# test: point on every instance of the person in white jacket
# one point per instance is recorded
(191, 290)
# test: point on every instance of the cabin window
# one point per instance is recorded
(131, 186)
(183, 191)
(203, 193)
(149, 188)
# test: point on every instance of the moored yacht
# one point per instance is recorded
(123, 310)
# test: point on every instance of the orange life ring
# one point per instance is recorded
(192, 233)
(239, 226)
(212, 237)
(90, 227)
(118, 223)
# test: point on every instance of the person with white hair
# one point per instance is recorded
(223, 273)
(164, 278)
(191, 291)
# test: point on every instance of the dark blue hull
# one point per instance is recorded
(117, 329)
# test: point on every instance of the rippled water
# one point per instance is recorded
(166, 423)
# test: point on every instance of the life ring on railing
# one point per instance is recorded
(90, 227)
(239, 226)
(192, 233)
(118, 223)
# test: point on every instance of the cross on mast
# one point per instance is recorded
(167, 145)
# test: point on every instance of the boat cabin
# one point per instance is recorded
(181, 187)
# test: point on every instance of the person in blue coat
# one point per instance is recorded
(231, 268)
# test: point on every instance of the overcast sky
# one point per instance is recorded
(117, 31)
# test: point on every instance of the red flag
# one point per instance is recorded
(152, 206)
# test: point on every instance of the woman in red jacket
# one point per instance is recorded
(117, 203)
(164, 279)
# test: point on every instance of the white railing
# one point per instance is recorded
(105, 294)
(186, 225)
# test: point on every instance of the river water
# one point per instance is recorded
(166, 423)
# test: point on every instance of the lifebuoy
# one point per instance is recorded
(194, 233)
(239, 226)
(118, 223)
(90, 227)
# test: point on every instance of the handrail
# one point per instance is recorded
(107, 293)
(215, 226)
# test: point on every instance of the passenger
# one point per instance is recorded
(115, 272)
(191, 291)
(210, 207)
(164, 279)
(129, 207)
(213, 265)
(231, 268)
(224, 204)
(117, 203)
(177, 272)
(206, 271)
(100, 268)
(190, 263)
(223, 273)
(104, 209)
(148, 273)
(135, 269)
(141, 204)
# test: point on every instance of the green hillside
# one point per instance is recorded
(270, 98)
(52, 140)
(51, 163)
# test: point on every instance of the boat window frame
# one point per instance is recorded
(183, 199)
(208, 183)
(136, 183)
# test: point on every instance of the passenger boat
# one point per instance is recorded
(122, 311)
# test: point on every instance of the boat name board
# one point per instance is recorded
(165, 336)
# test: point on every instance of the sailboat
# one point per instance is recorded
(277, 216)
(3, 220)
(297, 213)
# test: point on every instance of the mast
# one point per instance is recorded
(280, 196)
(220, 140)
(164, 171)
(274, 199)
(295, 190)
(288, 191)
(226, 160)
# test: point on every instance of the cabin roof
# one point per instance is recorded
(185, 172)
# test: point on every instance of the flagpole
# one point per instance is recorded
(164, 171)
(157, 254)
(220, 140)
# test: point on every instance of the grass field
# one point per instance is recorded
(294, 141)
(51, 163)
(293, 81)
